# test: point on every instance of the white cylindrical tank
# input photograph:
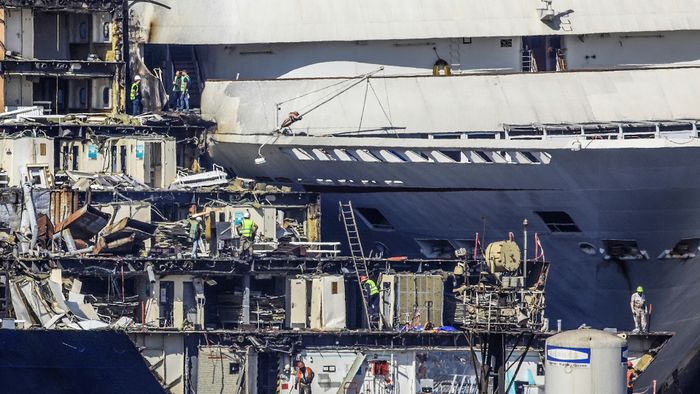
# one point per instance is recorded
(585, 361)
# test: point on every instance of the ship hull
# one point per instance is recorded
(642, 191)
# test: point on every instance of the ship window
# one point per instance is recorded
(686, 248)
(484, 156)
(558, 222)
(623, 249)
(507, 43)
(436, 248)
(530, 157)
(453, 154)
(375, 218)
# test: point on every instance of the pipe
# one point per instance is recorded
(29, 206)
(524, 252)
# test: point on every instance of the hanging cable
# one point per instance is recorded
(364, 103)
(383, 111)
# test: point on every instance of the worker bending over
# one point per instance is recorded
(304, 378)
(639, 310)
(247, 230)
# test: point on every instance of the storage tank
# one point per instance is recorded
(585, 361)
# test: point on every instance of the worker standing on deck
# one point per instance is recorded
(184, 91)
(372, 292)
(631, 377)
(304, 378)
(195, 233)
(175, 100)
(247, 230)
(135, 96)
(639, 310)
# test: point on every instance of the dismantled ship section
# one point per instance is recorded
(124, 245)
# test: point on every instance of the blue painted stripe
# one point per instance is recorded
(577, 355)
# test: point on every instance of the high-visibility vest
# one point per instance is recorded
(373, 289)
(630, 378)
(247, 228)
(184, 83)
(134, 91)
(307, 377)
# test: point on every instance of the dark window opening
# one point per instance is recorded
(558, 222)
(531, 157)
(623, 249)
(436, 248)
(375, 218)
(453, 154)
(75, 158)
(686, 248)
(122, 158)
(484, 156)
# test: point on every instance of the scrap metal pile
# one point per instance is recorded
(496, 295)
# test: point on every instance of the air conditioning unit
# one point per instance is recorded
(78, 96)
(101, 93)
(79, 28)
(101, 28)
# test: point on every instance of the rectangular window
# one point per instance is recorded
(75, 158)
(507, 43)
(558, 221)
(374, 218)
(42, 149)
(623, 249)
(334, 287)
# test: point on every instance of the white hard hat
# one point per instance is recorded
(137, 78)
(246, 215)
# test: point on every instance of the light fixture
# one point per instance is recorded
(260, 160)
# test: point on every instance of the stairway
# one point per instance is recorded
(184, 57)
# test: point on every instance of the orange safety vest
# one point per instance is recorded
(308, 376)
(630, 375)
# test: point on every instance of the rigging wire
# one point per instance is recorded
(364, 103)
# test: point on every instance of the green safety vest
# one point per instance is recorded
(372, 287)
(247, 228)
(134, 91)
(184, 83)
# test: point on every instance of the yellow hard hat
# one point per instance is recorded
(640, 289)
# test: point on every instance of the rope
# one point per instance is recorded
(382, 107)
(364, 103)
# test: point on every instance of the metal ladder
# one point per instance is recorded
(356, 252)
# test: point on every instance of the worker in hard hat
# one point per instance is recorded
(195, 234)
(372, 294)
(135, 95)
(304, 378)
(639, 310)
(247, 230)
(631, 377)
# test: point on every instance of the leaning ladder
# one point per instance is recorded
(356, 253)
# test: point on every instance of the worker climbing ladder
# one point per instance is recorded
(356, 253)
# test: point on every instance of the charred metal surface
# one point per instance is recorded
(67, 5)
(59, 68)
(183, 127)
(276, 265)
